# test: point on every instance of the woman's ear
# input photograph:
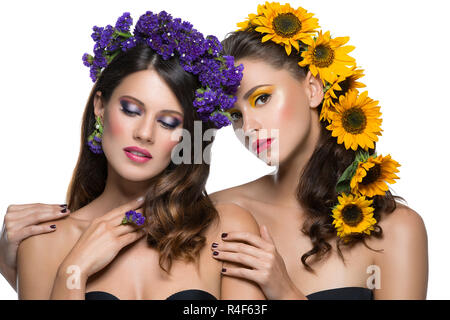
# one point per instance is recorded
(99, 107)
(315, 91)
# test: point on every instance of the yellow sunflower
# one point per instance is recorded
(283, 24)
(245, 24)
(356, 121)
(340, 85)
(327, 57)
(353, 214)
(249, 21)
(371, 176)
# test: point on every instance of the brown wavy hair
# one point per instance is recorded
(177, 207)
(316, 190)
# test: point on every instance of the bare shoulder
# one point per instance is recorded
(233, 217)
(403, 221)
(238, 193)
(52, 244)
(42, 255)
(403, 228)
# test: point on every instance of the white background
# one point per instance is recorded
(402, 45)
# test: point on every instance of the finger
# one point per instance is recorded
(119, 212)
(33, 230)
(128, 238)
(265, 234)
(243, 259)
(247, 237)
(125, 228)
(44, 215)
(15, 207)
(243, 273)
(240, 247)
(39, 208)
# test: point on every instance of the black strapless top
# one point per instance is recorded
(191, 294)
(345, 293)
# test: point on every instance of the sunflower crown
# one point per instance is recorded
(352, 117)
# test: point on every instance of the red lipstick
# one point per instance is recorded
(261, 144)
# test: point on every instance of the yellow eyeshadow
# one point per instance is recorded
(255, 95)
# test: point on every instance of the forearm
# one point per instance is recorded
(69, 284)
(10, 274)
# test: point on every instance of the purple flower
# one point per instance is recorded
(171, 37)
(128, 44)
(134, 217)
(219, 120)
(124, 23)
(87, 59)
(106, 36)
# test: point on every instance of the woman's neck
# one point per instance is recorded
(117, 192)
(284, 182)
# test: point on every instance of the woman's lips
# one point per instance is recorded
(137, 158)
(261, 144)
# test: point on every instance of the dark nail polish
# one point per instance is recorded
(224, 235)
(215, 253)
(63, 210)
(224, 270)
(214, 245)
(63, 205)
(53, 226)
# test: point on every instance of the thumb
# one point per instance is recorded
(265, 234)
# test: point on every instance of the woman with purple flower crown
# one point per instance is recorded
(299, 107)
(127, 184)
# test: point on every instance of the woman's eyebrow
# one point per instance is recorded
(249, 92)
(143, 105)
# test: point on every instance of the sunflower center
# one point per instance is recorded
(323, 56)
(372, 175)
(354, 120)
(286, 25)
(352, 215)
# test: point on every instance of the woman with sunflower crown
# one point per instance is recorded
(329, 185)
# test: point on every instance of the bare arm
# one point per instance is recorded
(36, 268)
(234, 218)
(20, 222)
(403, 265)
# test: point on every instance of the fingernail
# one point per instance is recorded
(64, 210)
(215, 253)
(224, 235)
(224, 269)
(53, 226)
(214, 245)
(63, 205)
(140, 199)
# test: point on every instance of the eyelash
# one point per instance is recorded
(133, 113)
(267, 95)
(124, 108)
(168, 126)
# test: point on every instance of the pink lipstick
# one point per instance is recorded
(137, 154)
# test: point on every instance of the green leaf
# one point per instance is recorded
(122, 34)
(343, 184)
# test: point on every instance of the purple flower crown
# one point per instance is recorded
(169, 37)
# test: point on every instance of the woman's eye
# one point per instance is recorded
(169, 123)
(262, 98)
(129, 108)
(235, 116)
